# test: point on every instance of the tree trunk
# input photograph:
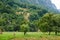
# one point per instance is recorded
(0, 31)
(55, 32)
(49, 32)
(24, 33)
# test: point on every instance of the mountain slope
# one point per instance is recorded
(42, 3)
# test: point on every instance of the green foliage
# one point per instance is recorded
(50, 22)
(24, 27)
(13, 17)
(46, 22)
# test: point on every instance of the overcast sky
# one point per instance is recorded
(57, 3)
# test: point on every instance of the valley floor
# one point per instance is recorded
(29, 36)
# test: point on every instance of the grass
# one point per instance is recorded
(28, 36)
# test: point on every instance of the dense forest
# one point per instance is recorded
(20, 17)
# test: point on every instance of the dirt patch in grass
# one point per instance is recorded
(43, 38)
(24, 39)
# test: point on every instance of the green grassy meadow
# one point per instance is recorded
(28, 36)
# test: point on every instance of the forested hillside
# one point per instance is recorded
(15, 17)
(46, 4)
(20, 17)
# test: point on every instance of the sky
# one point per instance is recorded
(57, 3)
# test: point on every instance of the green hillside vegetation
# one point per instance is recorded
(20, 17)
